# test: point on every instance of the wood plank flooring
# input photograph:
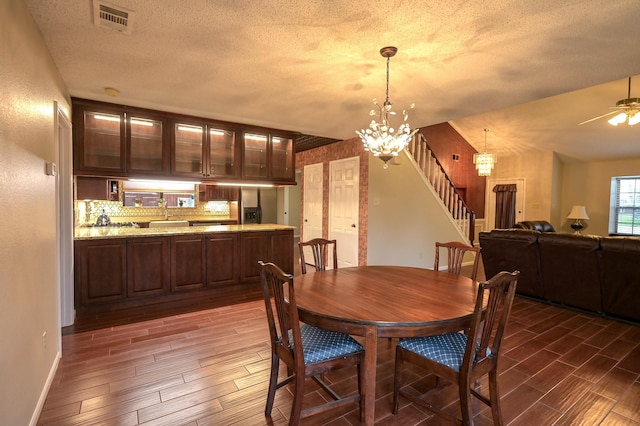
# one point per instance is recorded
(210, 367)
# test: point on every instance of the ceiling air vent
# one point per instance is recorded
(112, 17)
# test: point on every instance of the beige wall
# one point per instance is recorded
(29, 293)
(589, 184)
(539, 169)
(406, 217)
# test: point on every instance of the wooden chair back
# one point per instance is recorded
(321, 249)
(276, 286)
(456, 252)
(481, 353)
(489, 322)
(288, 346)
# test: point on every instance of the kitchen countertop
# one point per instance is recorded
(92, 233)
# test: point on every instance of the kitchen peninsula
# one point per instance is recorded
(117, 267)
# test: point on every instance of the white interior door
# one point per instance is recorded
(491, 200)
(344, 208)
(64, 198)
(312, 205)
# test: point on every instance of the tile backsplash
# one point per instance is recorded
(88, 211)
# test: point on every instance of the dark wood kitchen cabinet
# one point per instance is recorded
(269, 246)
(99, 139)
(219, 193)
(100, 271)
(96, 188)
(113, 140)
(147, 144)
(268, 157)
(204, 150)
(188, 262)
(142, 270)
(223, 266)
(147, 271)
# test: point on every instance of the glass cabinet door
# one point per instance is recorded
(222, 153)
(188, 143)
(255, 155)
(146, 144)
(102, 147)
(282, 158)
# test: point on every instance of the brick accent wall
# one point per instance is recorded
(326, 154)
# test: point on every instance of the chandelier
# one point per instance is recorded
(630, 110)
(381, 138)
(484, 162)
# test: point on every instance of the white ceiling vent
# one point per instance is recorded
(112, 17)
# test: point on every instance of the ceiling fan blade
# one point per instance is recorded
(598, 117)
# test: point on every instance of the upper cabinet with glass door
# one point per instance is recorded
(203, 151)
(121, 141)
(99, 140)
(111, 140)
(268, 157)
(147, 144)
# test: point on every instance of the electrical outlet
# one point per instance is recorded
(44, 340)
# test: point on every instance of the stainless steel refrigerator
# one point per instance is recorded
(259, 205)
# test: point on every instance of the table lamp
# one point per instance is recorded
(579, 213)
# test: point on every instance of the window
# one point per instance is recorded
(625, 206)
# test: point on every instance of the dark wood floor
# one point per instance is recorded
(210, 367)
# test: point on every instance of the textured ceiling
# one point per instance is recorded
(313, 66)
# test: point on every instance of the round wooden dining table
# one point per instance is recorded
(384, 301)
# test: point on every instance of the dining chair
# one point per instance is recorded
(307, 351)
(455, 358)
(455, 255)
(320, 248)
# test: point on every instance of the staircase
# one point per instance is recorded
(433, 172)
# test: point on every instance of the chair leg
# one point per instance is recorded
(494, 395)
(296, 407)
(465, 403)
(273, 383)
(360, 386)
(397, 380)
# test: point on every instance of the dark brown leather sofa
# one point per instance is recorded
(536, 225)
(511, 250)
(621, 276)
(598, 274)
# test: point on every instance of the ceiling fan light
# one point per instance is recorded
(634, 118)
(618, 119)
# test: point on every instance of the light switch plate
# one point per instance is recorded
(51, 169)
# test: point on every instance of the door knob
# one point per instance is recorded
(353, 225)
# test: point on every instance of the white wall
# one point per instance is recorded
(405, 219)
(29, 289)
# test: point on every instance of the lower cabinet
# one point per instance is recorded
(144, 270)
(269, 246)
(188, 262)
(100, 271)
(147, 272)
(222, 259)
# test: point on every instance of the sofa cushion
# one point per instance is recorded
(570, 269)
(621, 277)
(536, 225)
(510, 250)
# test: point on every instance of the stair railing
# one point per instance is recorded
(434, 172)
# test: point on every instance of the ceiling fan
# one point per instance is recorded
(626, 110)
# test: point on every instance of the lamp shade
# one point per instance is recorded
(578, 212)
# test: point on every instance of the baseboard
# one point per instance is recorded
(45, 390)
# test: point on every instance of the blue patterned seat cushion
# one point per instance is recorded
(319, 344)
(447, 349)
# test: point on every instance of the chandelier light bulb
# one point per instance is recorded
(382, 139)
